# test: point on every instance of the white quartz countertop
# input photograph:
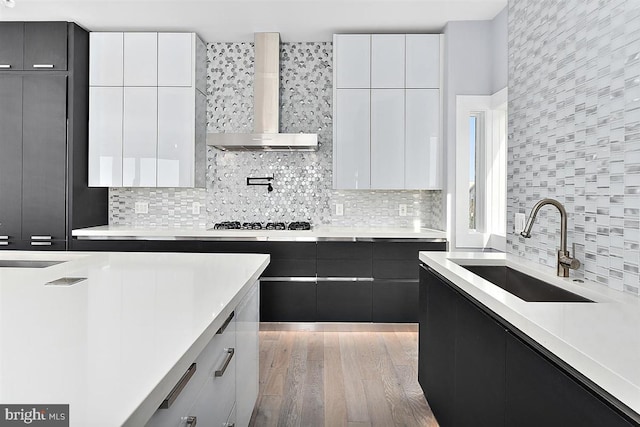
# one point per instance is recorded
(317, 233)
(600, 340)
(113, 345)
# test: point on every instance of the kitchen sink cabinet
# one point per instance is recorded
(43, 149)
(38, 46)
(541, 393)
(475, 369)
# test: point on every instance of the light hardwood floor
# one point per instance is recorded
(338, 379)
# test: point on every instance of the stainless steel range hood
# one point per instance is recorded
(266, 98)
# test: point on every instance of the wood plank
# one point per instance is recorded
(415, 397)
(266, 412)
(335, 406)
(355, 399)
(379, 411)
(291, 409)
(315, 350)
(274, 384)
(313, 399)
(396, 350)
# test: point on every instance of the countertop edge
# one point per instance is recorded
(145, 410)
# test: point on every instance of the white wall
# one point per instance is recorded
(475, 64)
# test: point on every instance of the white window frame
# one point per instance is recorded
(490, 204)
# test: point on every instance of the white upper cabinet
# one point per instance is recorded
(423, 167)
(387, 139)
(139, 144)
(176, 132)
(387, 61)
(141, 59)
(352, 127)
(149, 130)
(386, 130)
(105, 136)
(352, 61)
(423, 61)
(175, 59)
(106, 59)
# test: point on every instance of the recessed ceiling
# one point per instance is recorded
(237, 20)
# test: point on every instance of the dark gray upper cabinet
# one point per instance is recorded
(10, 159)
(44, 157)
(45, 46)
(11, 45)
(44, 192)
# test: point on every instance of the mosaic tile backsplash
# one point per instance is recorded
(574, 132)
(302, 180)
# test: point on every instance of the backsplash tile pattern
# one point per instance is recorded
(574, 132)
(302, 180)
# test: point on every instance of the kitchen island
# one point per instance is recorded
(115, 344)
(513, 362)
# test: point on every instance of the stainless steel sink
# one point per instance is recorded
(523, 286)
(27, 263)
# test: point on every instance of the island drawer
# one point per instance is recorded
(213, 358)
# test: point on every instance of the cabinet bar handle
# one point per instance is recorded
(4, 237)
(42, 65)
(227, 360)
(192, 421)
(41, 243)
(177, 389)
(5, 66)
(226, 323)
(4, 243)
(40, 237)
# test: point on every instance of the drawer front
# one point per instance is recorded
(395, 301)
(344, 268)
(211, 359)
(345, 250)
(404, 250)
(287, 301)
(344, 301)
(290, 267)
(396, 269)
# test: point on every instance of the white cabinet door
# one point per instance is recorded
(352, 133)
(140, 140)
(247, 349)
(352, 60)
(423, 61)
(106, 59)
(387, 61)
(176, 136)
(175, 53)
(387, 138)
(140, 59)
(423, 166)
(105, 136)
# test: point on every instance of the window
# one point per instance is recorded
(481, 131)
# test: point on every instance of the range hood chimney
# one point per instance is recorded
(266, 98)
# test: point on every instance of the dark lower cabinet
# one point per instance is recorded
(479, 368)
(287, 301)
(394, 301)
(475, 372)
(344, 301)
(541, 394)
(436, 369)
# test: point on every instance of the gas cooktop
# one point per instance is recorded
(237, 225)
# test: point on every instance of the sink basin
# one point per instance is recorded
(27, 263)
(523, 286)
